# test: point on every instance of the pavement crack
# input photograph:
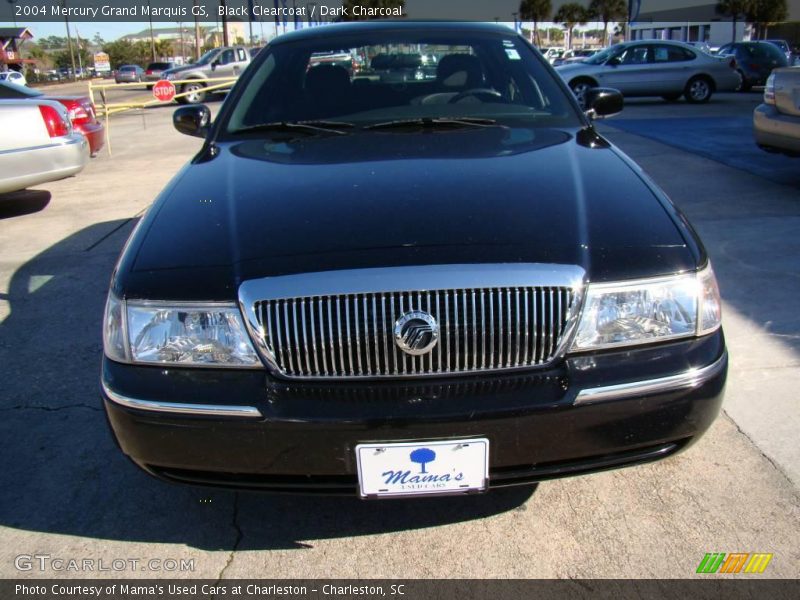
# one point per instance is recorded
(775, 465)
(237, 541)
(50, 408)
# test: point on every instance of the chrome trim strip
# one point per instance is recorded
(411, 279)
(221, 410)
(686, 380)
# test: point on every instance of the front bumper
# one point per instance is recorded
(247, 430)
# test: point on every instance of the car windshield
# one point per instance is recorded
(488, 77)
(601, 57)
(207, 57)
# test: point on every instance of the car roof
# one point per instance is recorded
(390, 26)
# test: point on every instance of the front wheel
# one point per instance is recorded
(195, 93)
(698, 90)
(744, 86)
(580, 87)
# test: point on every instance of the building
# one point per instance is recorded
(10, 40)
(172, 34)
(693, 21)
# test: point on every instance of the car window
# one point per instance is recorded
(380, 79)
(668, 53)
(241, 54)
(635, 55)
(9, 90)
(225, 57)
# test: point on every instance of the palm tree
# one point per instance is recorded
(764, 13)
(608, 10)
(570, 15)
(734, 9)
(535, 10)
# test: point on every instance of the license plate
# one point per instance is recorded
(421, 468)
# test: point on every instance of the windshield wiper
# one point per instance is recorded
(311, 127)
(434, 123)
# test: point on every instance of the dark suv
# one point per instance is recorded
(437, 287)
(755, 61)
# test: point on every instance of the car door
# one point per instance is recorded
(672, 67)
(631, 71)
(241, 61)
(225, 63)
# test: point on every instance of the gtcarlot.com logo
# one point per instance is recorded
(46, 562)
(735, 562)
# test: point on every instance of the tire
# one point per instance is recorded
(745, 86)
(579, 88)
(699, 90)
(197, 96)
(672, 97)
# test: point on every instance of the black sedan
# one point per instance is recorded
(438, 287)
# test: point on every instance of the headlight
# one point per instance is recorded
(201, 334)
(648, 311)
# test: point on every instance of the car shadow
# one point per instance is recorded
(63, 473)
(23, 202)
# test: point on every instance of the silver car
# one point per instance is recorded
(653, 68)
(776, 122)
(38, 144)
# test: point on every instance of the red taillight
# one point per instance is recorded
(755, 66)
(148, 72)
(78, 111)
(56, 125)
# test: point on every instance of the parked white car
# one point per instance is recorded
(13, 77)
(551, 54)
(653, 68)
(38, 144)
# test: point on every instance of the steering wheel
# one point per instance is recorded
(483, 94)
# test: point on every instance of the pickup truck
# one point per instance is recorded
(227, 61)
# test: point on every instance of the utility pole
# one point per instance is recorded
(69, 41)
(196, 33)
(224, 23)
(152, 39)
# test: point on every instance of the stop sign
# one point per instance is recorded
(164, 91)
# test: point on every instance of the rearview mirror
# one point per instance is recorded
(603, 102)
(194, 120)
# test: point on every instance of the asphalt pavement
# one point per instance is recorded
(69, 493)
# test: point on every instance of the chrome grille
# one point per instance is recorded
(352, 335)
(340, 324)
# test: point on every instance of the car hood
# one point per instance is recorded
(261, 208)
(180, 69)
(565, 69)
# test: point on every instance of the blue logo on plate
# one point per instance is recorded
(423, 456)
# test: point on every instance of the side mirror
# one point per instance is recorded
(603, 102)
(613, 61)
(214, 65)
(194, 120)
